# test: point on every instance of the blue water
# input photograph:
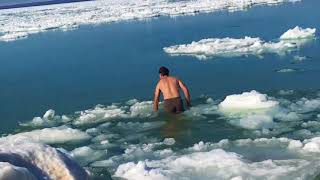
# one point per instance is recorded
(75, 70)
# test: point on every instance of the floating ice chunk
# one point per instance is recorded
(286, 92)
(9, 171)
(247, 101)
(136, 126)
(56, 135)
(141, 109)
(230, 47)
(49, 119)
(312, 145)
(306, 105)
(85, 155)
(21, 22)
(101, 114)
(295, 144)
(288, 70)
(298, 33)
(36, 161)
(169, 141)
(254, 122)
(299, 58)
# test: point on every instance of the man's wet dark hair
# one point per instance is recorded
(164, 71)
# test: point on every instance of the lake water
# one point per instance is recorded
(70, 71)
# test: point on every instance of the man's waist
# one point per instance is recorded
(172, 98)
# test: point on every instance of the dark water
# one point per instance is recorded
(75, 70)
(7, 4)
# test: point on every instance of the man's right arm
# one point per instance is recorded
(156, 98)
(186, 92)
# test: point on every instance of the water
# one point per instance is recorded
(70, 71)
(6, 4)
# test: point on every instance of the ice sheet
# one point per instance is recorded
(20, 23)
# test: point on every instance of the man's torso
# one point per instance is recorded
(169, 86)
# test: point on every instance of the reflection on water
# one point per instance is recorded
(177, 126)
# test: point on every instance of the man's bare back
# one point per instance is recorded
(169, 86)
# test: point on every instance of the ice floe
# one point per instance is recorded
(229, 159)
(247, 100)
(55, 135)
(85, 155)
(20, 23)
(28, 160)
(101, 113)
(231, 47)
(98, 114)
(298, 33)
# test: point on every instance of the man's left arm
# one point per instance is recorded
(186, 92)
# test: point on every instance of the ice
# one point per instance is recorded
(254, 122)
(215, 164)
(9, 171)
(20, 23)
(286, 92)
(231, 47)
(288, 70)
(280, 158)
(136, 126)
(256, 111)
(298, 33)
(49, 119)
(21, 159)
(85, 155)
(55, 135)
(101, 113)
(299, 58)
(247, 101)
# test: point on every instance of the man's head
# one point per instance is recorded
(163, 71)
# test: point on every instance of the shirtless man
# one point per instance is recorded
(169, 86)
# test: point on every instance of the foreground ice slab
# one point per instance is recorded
(20, 23)
(230, 47)
(226, 160)
(25, 160)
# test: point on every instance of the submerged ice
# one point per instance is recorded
(231, 47)
(21, 22)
